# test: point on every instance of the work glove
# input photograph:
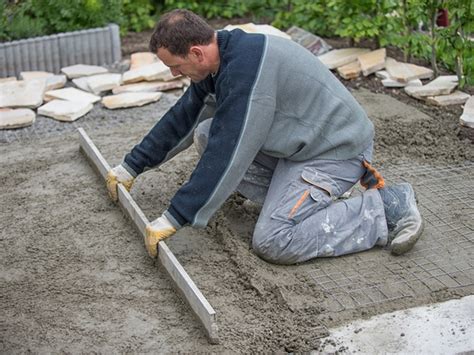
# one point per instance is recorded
(161, 228)
(118, 175)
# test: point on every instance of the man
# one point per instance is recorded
(284, 132)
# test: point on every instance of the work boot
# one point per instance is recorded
(404, 221)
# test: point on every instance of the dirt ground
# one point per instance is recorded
(75, 276)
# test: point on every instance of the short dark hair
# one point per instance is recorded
(178, 30)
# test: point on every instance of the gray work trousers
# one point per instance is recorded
(302, 216)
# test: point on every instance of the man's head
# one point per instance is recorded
(186, 44)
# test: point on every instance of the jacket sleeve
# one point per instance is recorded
(171, 134)
(238, 131)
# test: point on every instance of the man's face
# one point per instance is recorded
(191, 66)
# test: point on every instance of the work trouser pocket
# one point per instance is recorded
(313, 191)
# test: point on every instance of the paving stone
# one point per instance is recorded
(78, 70)
(455, 98)
(104, 82)
(28, 75)
(442, 85)
(71, 94)
(310, 41)
(82, 83)
(16, 118)
(339, 57)
(130, 99)
(149, 86)
(22, 93)
(350, 71)
(141, 59)
(62, 110)
(150, 72)
(372, 61)
(55, 82)
(467, 117)
(6, 80)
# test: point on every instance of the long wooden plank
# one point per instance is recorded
(184, 284)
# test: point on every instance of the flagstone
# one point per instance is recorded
(71, 94)
(372, 61)
(8, 79)
(455, 98)
(104, 82)
(78, 70)
(141, 59)
(82, 83)
(310, 41)
(28, 75)
(150, 72)
(390, 83)
(149, 86)
(62, 110)
(350, 71)
(16, 118)
(339, 57)
(420, 72)
(467, 117)
(442, 85)
(399, 71)
(130, 99)
(55, 82)
(22, 93)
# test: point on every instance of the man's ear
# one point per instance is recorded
(197, 53)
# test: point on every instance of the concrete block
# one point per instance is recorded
(16, 118)
(130, 99)
(372, 61)
(442, 85)
(350, 71)
(150, 86)
(71, 94)
(67, 111)
(339, 57)
(467, 117)
(78, 70)
(22, 93)
(104, 82)
(150, 72)
(141, 59)
(455, 98)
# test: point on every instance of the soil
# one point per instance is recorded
(75, 276)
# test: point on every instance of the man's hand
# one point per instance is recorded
(118, 175)
(159, 229)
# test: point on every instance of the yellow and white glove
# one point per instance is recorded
(118, 175)
(161, 228)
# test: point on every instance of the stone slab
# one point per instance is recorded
(104, 82)
(455, 98)
(6, 80)
(339, 57)
(82, 83)
(78, 70)
(467, 117)
(141, 59)
(421, 72)
(71, 94)
(388, 82)
(442, 85)
(130, 99)
(350, 71)
(28, 75)
(149, 86)
(310, 41)
(22, 93)
(55, 82)
(67, 111)
(150, 72)
(16, 118)
(372, 61)
(399, 71)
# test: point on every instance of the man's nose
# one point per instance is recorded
(175, 72)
